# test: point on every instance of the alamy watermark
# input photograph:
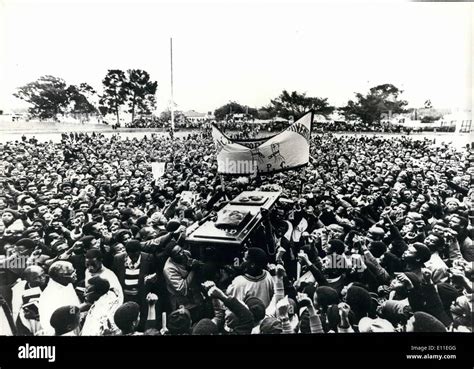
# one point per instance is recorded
(335, 261)
(13, 260)
(238, 166)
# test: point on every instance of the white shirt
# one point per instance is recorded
(438, 268)
(19, 290)
(100, 317)
(245, 286)
(106, 273)
(54, 296)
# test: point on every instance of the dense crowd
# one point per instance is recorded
(374, 235)
(252, 129)
(355, 126)
(159, 123)
(146, 123)
(380, 127)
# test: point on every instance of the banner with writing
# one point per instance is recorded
(284, 151)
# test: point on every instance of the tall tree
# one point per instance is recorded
(114, 93)
(264, 114)
(234, 108)
(380, 99)
(296, 104)
(48, 96)
(141, 92)
(81, 99)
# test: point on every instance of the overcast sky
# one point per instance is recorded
(247, 51)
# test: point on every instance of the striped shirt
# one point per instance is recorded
(131, 281)
(132, 275)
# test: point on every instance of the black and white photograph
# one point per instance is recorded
(285, 171)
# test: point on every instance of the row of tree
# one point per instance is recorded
(134, 90)
(51, 97)
(367, 108)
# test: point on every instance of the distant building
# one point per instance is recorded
(459, 121)
(14, 115)
(239, 117)
(319, 118)
(462, 120)
(193, 116)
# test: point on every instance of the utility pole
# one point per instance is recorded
(172, 97)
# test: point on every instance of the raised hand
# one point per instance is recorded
(151, 298)
(427, 276)
(303, 258)
(303, 299)
(405, 280)
(216, 293)
(280, 271)
(282, 308)
(279, 254)
(344, 310)
(208, 285)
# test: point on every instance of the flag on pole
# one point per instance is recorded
(284, 151)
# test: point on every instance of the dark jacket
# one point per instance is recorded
(146, 267)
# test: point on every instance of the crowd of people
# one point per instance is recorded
(340, 126)
(146, 123)
(244, 130)
(159, 123)
(374, 235)
(381, 127)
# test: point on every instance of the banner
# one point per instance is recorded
(284, 151)
(3, 167)
(158, 169)
(251, 143)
